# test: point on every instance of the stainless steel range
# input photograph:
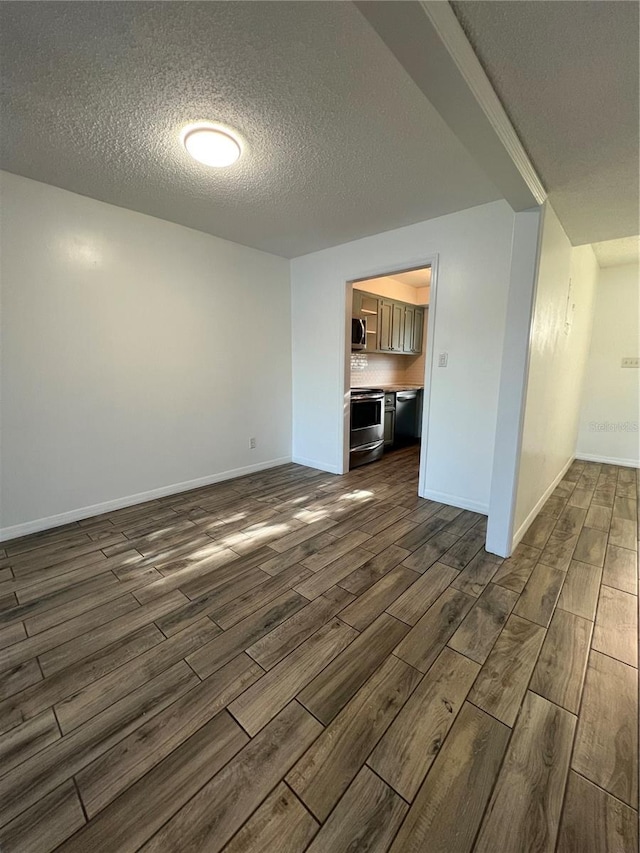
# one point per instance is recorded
(366, 442)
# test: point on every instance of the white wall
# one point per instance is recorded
(474, 251)
(611, 399)
(137, 355)
(557, 360)
(393, 289)
(525, 254)
(422, 295)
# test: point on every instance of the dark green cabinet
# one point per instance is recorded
(385, 323)
(391, 337)
(418, 330)
(391, 326)
(409, 320)
(397, 327)
(413, 329)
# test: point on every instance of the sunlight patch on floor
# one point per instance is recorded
(358, 495)
(309, 516)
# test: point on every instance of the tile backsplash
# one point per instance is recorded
(378, 368)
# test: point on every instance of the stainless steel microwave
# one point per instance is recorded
(358, 333)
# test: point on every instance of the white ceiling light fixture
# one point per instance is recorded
(211, 144)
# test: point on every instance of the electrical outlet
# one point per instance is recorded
(252, 444)
(630, 362)
(443, 359)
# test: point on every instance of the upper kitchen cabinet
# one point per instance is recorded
(418, 330)
(391, 321)
(409, 319)
(392, 326)
(397, 327)
(413, 329)
(384, 322)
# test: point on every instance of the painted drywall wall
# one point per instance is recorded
(422, 295)
(525, 252)
(559, 344)
(137, 355)
(611, 397)
(392, 289)
(473, 251)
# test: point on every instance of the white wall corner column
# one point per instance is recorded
(558, 348)
(525, 252)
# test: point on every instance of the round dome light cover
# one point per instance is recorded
(211, 145)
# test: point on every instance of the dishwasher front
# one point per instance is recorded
(406, 416)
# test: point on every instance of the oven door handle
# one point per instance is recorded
(370, 446)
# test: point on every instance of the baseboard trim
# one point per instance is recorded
(608, 460)
(313, 463)
(53, 521)
(526, 524)
(456, 500)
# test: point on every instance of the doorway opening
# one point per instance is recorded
(391, 318)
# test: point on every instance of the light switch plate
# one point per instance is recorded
(443, 359)
(630, 362)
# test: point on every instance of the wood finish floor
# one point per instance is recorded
(296, 661)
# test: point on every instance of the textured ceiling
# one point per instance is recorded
(613, 253)
(567, 75)
(340, 142)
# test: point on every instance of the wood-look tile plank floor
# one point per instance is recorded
(297, 661)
